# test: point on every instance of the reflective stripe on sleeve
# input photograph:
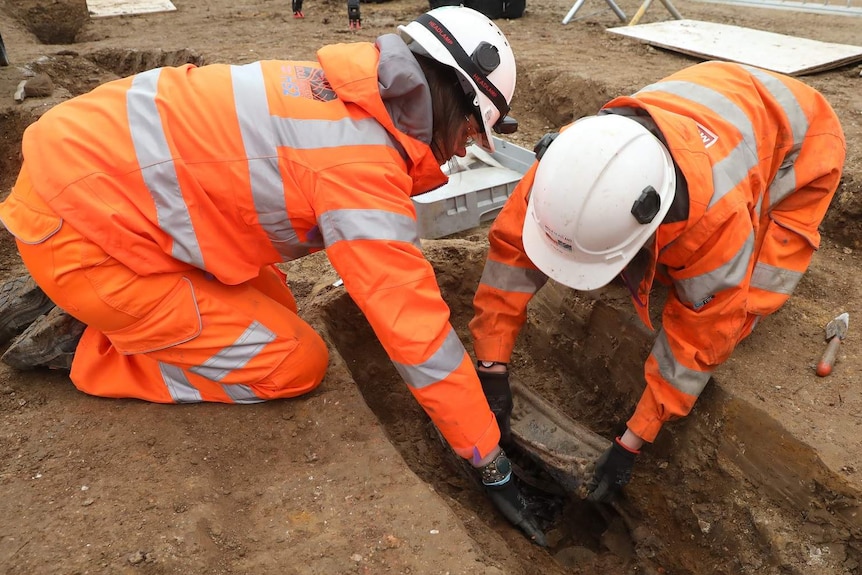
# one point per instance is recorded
(730, 274)
(436, 368)
(680, 377)
(512, 278)
(341, 225)
(157, 167)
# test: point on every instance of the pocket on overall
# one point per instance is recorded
(174, 320)
(782, 261)
(26, 215)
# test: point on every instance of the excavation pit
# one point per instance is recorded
(725, 491)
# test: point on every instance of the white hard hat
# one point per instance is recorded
(601, 190)
(476, 48)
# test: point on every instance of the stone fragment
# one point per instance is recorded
(19, 91)
(40, 86)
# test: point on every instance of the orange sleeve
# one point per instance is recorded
(371, 236)
(696, 339)
(509, 280)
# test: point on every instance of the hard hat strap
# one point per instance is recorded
(463, 60)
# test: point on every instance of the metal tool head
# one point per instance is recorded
(838, 326)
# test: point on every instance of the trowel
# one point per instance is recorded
(836, 330)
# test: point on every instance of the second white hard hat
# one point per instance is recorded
(601, 190)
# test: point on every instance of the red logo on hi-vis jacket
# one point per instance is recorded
(707, 137)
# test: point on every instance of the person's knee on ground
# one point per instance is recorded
(301, 371)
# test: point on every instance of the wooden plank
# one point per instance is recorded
(711, 41)
(103, 8)
(850, 7)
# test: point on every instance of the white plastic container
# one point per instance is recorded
(478, 187)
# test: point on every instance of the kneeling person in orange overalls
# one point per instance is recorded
(154, 208)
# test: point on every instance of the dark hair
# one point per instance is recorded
(449, 105)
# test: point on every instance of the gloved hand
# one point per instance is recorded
(499, 396)
(613, 471)
(502, 488)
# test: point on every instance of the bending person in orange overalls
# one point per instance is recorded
(153, 208)
(712, 181)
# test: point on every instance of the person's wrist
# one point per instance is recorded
(498, 471)
(630, 441)
(487, 459)
(491, 366)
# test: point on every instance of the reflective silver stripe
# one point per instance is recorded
(510, 278)
(680, 377)
(784, 181)
(184, 392)
(262, 135)
(730, 274)
(241, 393)
(728, 172)
(346, 225)
(157, 167)
(313, 134)
(774, 279)
(257, 128)
(236, 355)
(437, 367)
(178, 384)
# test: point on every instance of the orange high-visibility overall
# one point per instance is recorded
(761, 157)
(154, 207)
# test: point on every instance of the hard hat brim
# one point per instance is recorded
(555, 264)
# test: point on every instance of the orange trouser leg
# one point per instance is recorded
(179, 336)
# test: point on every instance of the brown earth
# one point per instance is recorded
(764, 477)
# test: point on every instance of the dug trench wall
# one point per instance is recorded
(733, 489)
(727, 491)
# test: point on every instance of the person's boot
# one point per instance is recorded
(21, 302)
(50, 342)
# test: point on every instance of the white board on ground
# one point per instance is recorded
(102, 8)
(777, 52)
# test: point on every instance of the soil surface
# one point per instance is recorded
(764, 477)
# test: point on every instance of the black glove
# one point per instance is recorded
(499, 396)
(502, 488)
(613, 471)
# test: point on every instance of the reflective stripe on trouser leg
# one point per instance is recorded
(246, 348)
(150, 335)
(99, 368)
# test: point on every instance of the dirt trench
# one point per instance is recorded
(727, 492)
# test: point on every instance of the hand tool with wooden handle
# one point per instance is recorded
(836, 330)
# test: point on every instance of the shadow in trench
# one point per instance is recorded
(725, 491)
(576, 527)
